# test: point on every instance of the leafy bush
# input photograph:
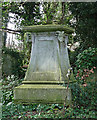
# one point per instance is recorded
(82, 75)
(8, 84)
(87, 59)
(85, 64)
(84, 95)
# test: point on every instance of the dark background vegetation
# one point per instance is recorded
(82, 17)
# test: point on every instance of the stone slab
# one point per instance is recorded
(40, 93)
(47, 28)
(43, 82)
(48, 82)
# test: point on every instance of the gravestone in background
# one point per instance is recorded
(8, 63)
(49, 64)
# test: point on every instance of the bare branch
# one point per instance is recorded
(10, 31)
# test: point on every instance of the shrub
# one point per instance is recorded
(84, 95)
(87, 59)
(8, 84)
(85, 64)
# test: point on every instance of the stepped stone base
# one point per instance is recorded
(42, 93)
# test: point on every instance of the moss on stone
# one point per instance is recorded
(47, 28)
(40, 86)
(43, 82)
(42, 94)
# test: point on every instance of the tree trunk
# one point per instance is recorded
(0, 60)
(63, 12)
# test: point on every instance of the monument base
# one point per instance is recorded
(42, 93)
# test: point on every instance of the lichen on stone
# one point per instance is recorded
(47, 28)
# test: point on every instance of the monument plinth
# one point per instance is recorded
(49, 64)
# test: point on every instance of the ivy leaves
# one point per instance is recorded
(87, 58)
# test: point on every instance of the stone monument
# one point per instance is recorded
(49, 64)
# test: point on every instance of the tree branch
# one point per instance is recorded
(10, 31)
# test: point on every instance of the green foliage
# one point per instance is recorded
(85, 64)
(83, 106)
(22, 112)
(5, 12)
(22, 10)
(29, 13)
(84, 95)
(87, 58)
(8, 85)
(83, 19)
(84, 15)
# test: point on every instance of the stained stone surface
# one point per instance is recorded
(42, 94)
(49, 57)
(49, 64)
(47, 28)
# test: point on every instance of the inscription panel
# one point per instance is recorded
(45, 56)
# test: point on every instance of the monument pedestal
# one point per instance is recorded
(42, 93)
(49, 64)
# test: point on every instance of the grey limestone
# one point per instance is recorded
(49, 64)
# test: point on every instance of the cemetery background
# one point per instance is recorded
(83, 59)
